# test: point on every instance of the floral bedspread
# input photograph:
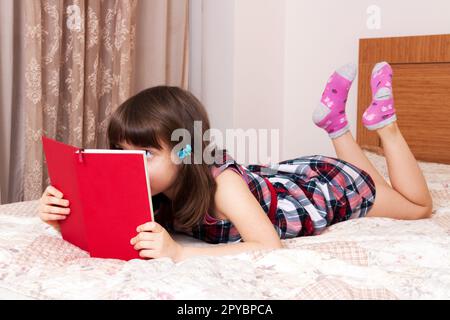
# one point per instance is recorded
(369, 258)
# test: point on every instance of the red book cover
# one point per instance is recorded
(109, 195)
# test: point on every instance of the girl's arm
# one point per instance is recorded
(234, 200)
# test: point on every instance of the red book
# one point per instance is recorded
(109, 196)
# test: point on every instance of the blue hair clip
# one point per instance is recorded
(183, 153)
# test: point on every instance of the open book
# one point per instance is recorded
(109, 195)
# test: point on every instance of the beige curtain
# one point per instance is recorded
(6, 73)
(76, 62)
(162, 44)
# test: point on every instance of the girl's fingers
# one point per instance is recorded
(57, 201)
(144, 236)
(49, 202)
(148, 253)
(51, 190)
(52, 217)
(144, 245)
(150, 226)
(55, 210)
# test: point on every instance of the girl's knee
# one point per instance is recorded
(391, 204)
(424, 213)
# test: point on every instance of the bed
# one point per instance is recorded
(369, 258)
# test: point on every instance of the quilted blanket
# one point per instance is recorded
(368, 258)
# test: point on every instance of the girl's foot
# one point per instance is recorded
(381, 111)
(330, 113)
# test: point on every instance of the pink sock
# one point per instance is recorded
(381, 111)
(330, 113)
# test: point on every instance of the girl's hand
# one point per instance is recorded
(52, 207)
(154, 241)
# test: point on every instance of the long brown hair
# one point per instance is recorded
(149, 118)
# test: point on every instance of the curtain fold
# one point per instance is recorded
(77, 70)
(6, 72)
(75, 62)
(162, 45)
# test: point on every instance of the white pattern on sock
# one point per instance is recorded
(383, 93)
(320, 113)
(348, 71)
(377, 68)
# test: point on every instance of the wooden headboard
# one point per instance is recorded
(421, 88)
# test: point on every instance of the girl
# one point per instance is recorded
(256, 206)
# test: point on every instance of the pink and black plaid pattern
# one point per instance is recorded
(313, 192)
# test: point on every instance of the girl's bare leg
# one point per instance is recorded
(347, 149)
(404, 172)
(409, 197)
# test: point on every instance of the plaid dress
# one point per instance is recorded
(301, 196)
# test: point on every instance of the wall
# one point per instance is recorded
(265, 63)
(242, 66)
(321, 36)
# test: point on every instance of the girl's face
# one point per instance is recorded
(162, 170)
